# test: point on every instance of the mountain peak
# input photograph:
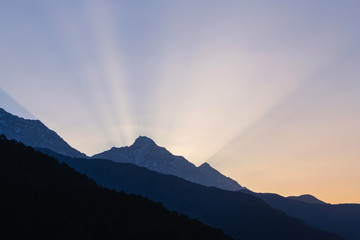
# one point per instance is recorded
(143, 141)
(205, 165)
(146, 153)
(307, 198)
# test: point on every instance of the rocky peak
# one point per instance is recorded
(205, 166)
(142, 142)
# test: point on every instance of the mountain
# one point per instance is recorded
(238, 214)
(145, 153)
(34, 133)
(307, 198)
(43, 199)
(343, 219)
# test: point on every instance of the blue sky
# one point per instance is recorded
(254, 88)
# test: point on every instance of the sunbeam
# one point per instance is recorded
(201, 78)
(10, 104)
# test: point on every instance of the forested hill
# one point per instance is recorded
(43, 199)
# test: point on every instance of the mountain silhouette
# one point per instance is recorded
(307, 198)
(343, 219)
(238, 214)
(34, 133)
(43, 199)
(145, 153)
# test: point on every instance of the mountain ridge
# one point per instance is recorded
(308, 198)
(44, 199)
(240, 215)
(341, 219)
(34, 133)
(146, 153)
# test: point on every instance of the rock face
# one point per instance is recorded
(145, 153)
(35, 134)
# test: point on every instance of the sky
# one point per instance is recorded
(267, 92)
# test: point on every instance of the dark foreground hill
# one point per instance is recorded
(43, 199)
(240, 215)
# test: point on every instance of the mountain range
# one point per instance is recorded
(213, 206)
(343, 219)
(43, 199)
(239, 214)
(34, 133)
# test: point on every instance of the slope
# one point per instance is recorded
(239, 215)
(307, 198)
(145, 153)
(34, 133)
(42, 199)
(343, 219)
